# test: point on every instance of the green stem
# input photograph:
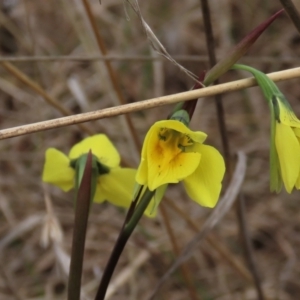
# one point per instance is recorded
(269, 88)
(121, 242)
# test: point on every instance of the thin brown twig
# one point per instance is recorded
(39, 90)
(146, 104)
(112, 74)
(225, 142)
(218, 101)
(137, 57)
(291, 10)
(185, 271)
(210, 43)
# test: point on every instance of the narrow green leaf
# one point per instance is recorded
(238, 51)
(83, 200)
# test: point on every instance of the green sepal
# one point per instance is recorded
(139, 210)
(268, 87)
(181, 116)
(159, 194)
(137, 190)
(275, 172)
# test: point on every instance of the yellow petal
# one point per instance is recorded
(297, 133)
(116, 187)
(204, 185)
(142, 171)
(288, 150)
(101, 147)
(171, 171)
(57, 170)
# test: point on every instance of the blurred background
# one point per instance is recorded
(54, 44)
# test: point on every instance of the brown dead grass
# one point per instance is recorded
(31, 271)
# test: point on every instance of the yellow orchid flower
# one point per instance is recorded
(285, 146)
(114, 184)
(171, 153)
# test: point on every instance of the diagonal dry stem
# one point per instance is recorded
(155, 42)
(146, 104)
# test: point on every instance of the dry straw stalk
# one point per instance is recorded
(146, 104)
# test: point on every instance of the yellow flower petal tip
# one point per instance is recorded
(285, 147)
(171, 153)
(116, 186)
(205, 184)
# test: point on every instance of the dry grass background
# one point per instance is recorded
(29, 269)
